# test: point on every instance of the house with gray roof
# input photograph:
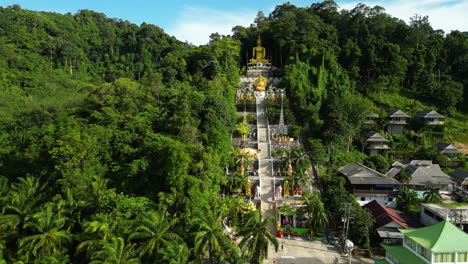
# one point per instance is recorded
(371, 120)
(460, 177)
(368, 184)
(430, 117)
(451, 155)
(375, 143)
(397, 121)
(423, 173)
(447, 148)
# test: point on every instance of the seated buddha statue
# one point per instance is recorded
(260, 84)
(259, 53)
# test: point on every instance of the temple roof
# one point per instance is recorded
(440, 237)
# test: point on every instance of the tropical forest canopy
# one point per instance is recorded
(114, 137)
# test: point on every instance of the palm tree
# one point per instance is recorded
(95, 231)
(300, 159)
(70, 207)
(314, 211)
(256, 238)
(406, 198)
(232, 208)
(115, 251)
(48, 235)
(176, 254)
(23, 197)
(153, 233)
(297, 179)
(432, 195)
(210, 236)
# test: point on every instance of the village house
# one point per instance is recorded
(375, 143)
(371, 120)
(430, 117)
(368, 184)
(397, 121)
(388, 221)
(423, 173)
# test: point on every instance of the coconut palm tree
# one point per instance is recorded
(100, 228)
(48, 236)
(153, 233)
(70, 207)
(314, 211)
(406, 198)
(23, 197)
(115, 251)
(209, 235)
(432, 195)
(256, 238)
(300, 159)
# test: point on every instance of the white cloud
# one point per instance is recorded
(195, 24)
(447, 15)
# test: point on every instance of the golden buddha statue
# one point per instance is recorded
(259, 52)
(260, 84)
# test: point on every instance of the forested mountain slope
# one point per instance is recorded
(111, 134)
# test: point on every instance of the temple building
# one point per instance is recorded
(439, 243)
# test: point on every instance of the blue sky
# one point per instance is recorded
(194, 21)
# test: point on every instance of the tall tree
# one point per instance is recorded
(256, 237)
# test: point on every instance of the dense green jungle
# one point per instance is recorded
(114, 137)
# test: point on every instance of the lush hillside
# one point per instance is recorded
(112, 134)
(114, 137)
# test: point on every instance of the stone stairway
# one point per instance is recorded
(265, 162)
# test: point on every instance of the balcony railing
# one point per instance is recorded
(378, 146)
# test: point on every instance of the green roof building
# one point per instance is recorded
(439, 243)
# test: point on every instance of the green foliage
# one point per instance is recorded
(407, 199)
(315, 212)
(432, 195)
(256, 238)
(377, 162)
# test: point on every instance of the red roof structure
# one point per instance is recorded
(384, 215)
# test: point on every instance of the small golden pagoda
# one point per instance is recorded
(259, 53)
(260, 84)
